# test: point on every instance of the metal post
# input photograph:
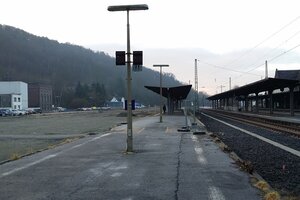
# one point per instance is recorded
(271, 101)
(292, 111)
(196, 102)
(129, 110)
(160, 92)
(128, 8)
(266, 69)
(185, 113)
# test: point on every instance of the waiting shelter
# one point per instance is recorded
(174, 95)
(267, 94)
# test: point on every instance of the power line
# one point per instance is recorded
(277, 56)
(269, 52)
(224, 68)
(266, 39)
(274, 58)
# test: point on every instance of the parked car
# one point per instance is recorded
(30, 111)
(18, 112)
(61, 109)
(5, 112)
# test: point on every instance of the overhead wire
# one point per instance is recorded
(275, 57)
(269, 52)
(277, 47)
(271, 59)
(266, 39)
(224, 68)
(260, 43)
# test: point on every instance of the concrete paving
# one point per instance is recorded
(166, 164)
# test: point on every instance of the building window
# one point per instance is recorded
(19, 99)
(19, 107)
(15, 99)
(15, 107)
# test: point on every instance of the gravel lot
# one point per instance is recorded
(278, 167)
(27, 134)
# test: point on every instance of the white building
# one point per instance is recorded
(17, 91)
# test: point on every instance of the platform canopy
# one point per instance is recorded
(268, 84)
(174, 93)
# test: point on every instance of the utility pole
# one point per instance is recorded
(229, 83)
(266, 69)
(160, 91)
(221, 86)
(196, 105)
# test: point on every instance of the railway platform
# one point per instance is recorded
(166, 164)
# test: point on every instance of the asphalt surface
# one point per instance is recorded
(166, 164)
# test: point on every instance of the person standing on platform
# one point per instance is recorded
(164, 108)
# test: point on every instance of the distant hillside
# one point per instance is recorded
(71, 69)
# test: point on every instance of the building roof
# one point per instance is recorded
(288, 74)
(256, 87)
(175, 93)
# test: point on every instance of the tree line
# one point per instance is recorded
(79, 76)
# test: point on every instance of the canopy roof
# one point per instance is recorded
(175, 93)
(256, 87)
(288, 74)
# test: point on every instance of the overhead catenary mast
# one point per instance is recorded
(196, 106)
(196, 84)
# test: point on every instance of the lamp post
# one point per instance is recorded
(161, 66)
(128, 8)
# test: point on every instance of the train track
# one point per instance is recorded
(272, 124)
(268, 145)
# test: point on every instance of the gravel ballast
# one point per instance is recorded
(279, 168)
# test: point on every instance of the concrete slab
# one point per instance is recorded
(167, 164)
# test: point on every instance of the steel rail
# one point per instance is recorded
(275, 125)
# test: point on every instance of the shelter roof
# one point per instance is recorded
(256, 87)
(288, 74)
(175, 93)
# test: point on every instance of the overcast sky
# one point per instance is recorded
(231, 38)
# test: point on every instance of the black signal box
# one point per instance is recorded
(132, 104)
(138, 58)
(120, 58)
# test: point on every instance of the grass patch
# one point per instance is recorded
(262, 185)
(272, 196)
(15, 156)
(13, 149)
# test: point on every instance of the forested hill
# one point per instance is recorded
(79, 76)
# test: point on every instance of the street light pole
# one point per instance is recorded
(128, 8)
(129, 113)
(161, 101)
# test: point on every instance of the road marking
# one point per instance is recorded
(49, 157)
(199, 151)
(141, 130)
(167, 130)
(276, 144)
(215, 193)
(96, 138)
(116, 174)
(28, 165)
(78, 145)
(101, 136)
